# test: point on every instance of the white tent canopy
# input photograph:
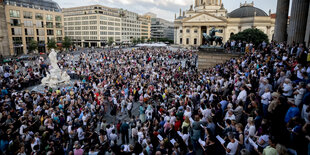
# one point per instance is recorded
(152, 45)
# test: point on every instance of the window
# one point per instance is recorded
(85, 23)
(15, 22)
(187, 41)
(78, 33)
(28, 23)
(27, 15)
(103, 28)
(84, 27)
(181, 31)
(92, 17)
(58, 25)
(16, 31)
(195, 31)
(50, 32)
(103, 33)
(39, 24)
(93, 22)
(85, 33)
(110, 23)
(58, 32)
(59, 38)
(180, 40)
(195, 41)
(103, 22)
(14, 13)
(77, 23)
(17, 40)
(58, 18)
(49, 24)
(93, 32)
(39, 16)
(84, 18)
(111, 33)
(188, 31)
(103, 18)
(49, 17)
(28, 31)
(77, 28)
(40, 32)
(93, 27)
(111, 28)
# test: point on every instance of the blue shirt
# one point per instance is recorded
(292, 112)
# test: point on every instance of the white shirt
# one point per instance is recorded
(266, 97)
(288, 89)
(232, 147)
(242, 96)
(80, 133)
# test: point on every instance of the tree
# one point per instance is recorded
(66, 43)
(143, 40)
(51, 44)
(253, 35)
(110, 41)
(33, 45)
(134, 40)
(138, 40)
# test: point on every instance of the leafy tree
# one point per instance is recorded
(110, 41)
(143, 40)
(138, 40)
(253, 35)
(33, 45)
(134, 40)
(66, 43)
(51, 44)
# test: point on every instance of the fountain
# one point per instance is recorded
(56, 77)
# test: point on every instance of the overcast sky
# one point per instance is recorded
(164, 8)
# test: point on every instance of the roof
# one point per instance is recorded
(247, 11)
(38, 4)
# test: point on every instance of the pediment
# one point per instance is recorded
(205, 17)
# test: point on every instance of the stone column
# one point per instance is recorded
(281, 20)
(307, 37)
(298, 21)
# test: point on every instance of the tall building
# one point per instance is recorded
(131, 25)
(39, 20)
(145, 27)
(93, 25)
(206, 14)
(162, 29)
(4, 40)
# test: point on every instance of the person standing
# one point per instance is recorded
(124, 132)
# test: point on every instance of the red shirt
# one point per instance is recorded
(177, 125)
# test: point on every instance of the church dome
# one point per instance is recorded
(247, 11)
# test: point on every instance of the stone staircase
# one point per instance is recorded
(210, 59)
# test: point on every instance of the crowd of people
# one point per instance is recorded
(255, 104)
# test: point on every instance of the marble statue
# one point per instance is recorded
(56, 76)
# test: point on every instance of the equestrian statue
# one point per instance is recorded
(212, 37)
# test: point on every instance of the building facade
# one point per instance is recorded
(145, 27)
(93, 25)
(39, 20)
(206, 14)
(131, 25)
(162, 29)
(4, 39)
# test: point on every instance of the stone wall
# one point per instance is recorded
(4, 42)
(208, 60)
